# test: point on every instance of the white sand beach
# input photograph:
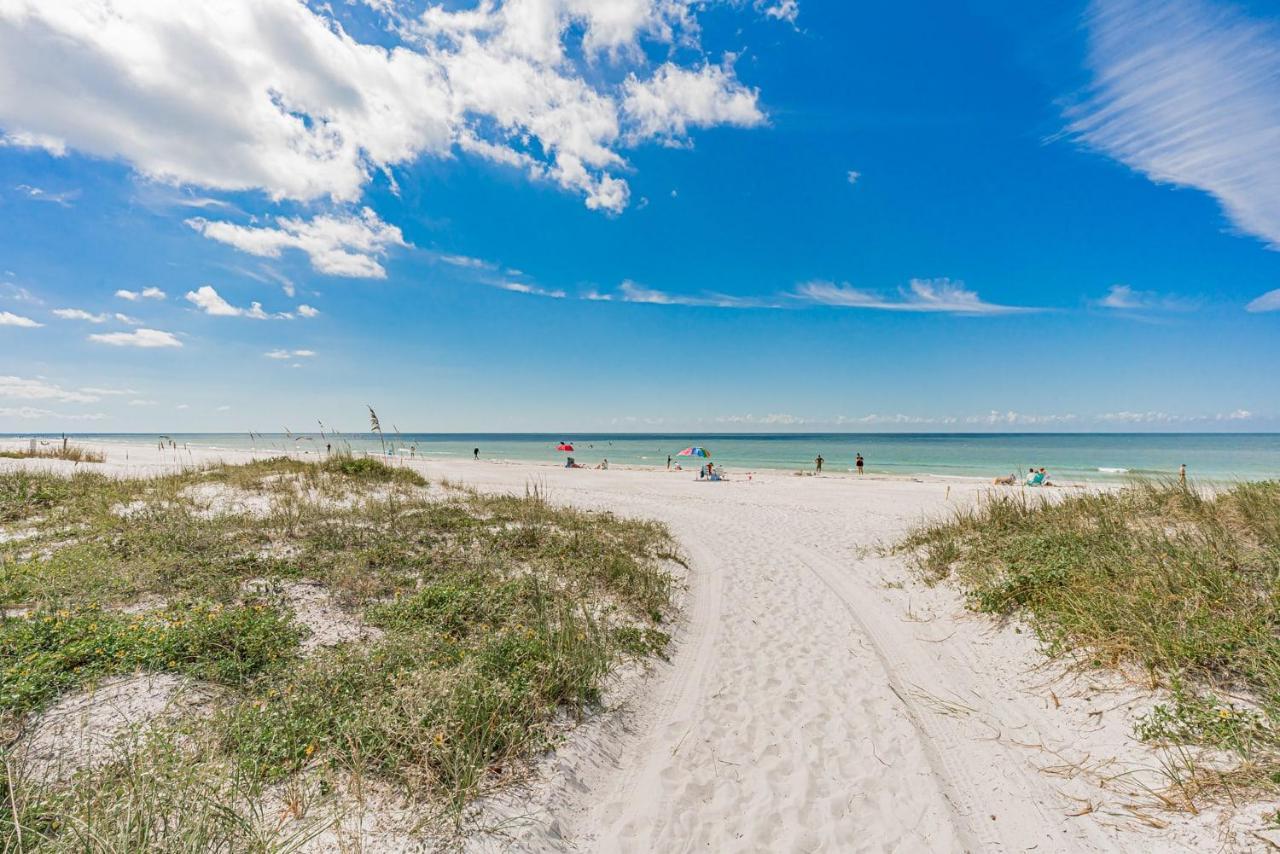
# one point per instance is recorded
(819, 697)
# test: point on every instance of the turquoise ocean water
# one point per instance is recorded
(1073, 456)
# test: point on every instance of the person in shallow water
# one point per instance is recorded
(858, 463)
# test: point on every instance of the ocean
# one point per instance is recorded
(1213, 457)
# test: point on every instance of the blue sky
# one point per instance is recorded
(649, 215)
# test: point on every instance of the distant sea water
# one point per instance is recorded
(1068, 456)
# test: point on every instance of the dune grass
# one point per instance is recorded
(497, 618)
(1179, 585)
(56, 452)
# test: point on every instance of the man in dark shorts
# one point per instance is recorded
(858, 463)
(818, 462)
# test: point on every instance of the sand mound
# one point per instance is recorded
(98, 725)
(314, 608)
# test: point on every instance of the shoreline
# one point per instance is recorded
(212, 455)
(1075, 458)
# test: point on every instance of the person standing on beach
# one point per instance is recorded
(668, 462)
(476, 453)
(858, 463)
(1182, 475)
(818, 462)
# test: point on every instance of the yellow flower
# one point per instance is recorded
(1224, 713)
(439, 739)
(311, 748)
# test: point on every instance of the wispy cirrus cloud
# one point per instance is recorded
(1187, 92)
(32, 413)
(90, 317)
(1123, 298)
(634, 292)
(1270, 301)
(23, 388)
(39, 194)
(290, 354)
(8, 318)
(110, 392)
(922, 295)
(143, 338)
(532, 290)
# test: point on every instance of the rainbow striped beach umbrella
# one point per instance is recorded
(695, 451)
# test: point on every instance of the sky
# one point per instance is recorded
(639, 215)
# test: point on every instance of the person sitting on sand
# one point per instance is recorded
(1033, 477)
(1044, 477)
(604, 464)
(1006, 481)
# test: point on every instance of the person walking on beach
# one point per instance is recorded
(858, 463)
(668, 462)
(476, 453)
(818, 462)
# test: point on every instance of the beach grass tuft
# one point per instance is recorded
(488, 623)
(1182, 586)
(71, 453)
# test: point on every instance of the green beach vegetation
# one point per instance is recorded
(61, 451)
(1178, 587)
(354, 633)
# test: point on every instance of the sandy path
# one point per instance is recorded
(818, 698)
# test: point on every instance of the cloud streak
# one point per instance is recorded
(1270, 301)
(1187, 92)
(8, 318)
(143, 338)
(941, 296)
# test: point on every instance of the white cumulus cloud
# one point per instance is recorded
(675, 99)
(274, 95)
(208, 300)
(339, 245)
(145, 293)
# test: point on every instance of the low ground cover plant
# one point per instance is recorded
(1178, 584)
(489, 622)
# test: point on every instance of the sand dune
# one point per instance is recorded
(818, 698)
